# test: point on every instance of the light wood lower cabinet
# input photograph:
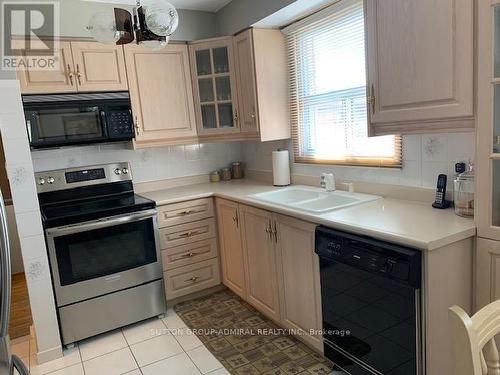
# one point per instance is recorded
(189, 248)
(185, 212)
(193, 278)
(232, 257)
(487, 272)
(299, 279)
(260, 257)
(187, 233)
(279, 266)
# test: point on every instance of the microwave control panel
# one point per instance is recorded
(120, 123)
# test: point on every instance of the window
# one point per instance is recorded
(328, 91)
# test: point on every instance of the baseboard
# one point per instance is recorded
(49, 354)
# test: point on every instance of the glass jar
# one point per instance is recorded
(225, 174)
(237, 170)
(464, 189)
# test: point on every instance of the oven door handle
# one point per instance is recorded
(101, 223)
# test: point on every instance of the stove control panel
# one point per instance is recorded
(85, 175)
(70, 178)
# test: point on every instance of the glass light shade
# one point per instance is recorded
(161, 17)
(155, 44)
(102, 27)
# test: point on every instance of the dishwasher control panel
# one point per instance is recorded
(394, 261)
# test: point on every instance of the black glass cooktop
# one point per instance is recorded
(70, 212)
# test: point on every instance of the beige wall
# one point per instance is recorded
(240, 14)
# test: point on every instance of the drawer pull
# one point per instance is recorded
(189, 255)
(187, 234)
(192, 279)
(184, 213)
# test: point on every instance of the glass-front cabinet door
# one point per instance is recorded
(212, 67)
(487, 202)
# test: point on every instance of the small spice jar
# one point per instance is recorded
(225, 174)
(237, 169)
(215, 176)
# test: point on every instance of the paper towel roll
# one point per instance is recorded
(281, 168)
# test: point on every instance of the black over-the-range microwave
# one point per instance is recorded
(56, 120)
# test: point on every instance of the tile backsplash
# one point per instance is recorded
(150, 164)
(424, 157)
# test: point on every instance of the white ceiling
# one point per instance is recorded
(205, 5)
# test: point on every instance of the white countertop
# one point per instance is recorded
(409, 223)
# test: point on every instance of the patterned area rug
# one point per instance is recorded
(246, 342)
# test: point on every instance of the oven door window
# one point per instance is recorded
(106, 251)
(52, 126)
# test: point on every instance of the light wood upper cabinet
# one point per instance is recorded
(262, 82)
(82, 66)
(214, 86)
(232, 257)
(260, 257)
(299, 279)
(420, 65)
(161, 95)
(245, 78)
(99, 67)
(59, 80)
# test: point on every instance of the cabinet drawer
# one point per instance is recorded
(188, 254)
(193, 278)
(185, 212)
(187, 233)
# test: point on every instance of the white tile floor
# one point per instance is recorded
(152, 347)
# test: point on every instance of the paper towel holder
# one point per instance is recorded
(281, 167)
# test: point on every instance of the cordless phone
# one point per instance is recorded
(440, 201)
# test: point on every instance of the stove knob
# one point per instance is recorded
(41, 181)
(125, 170)
(118, 171)
(50, 180)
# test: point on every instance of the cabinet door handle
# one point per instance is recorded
(78, 75)
(136, 125)
(269, 229)
(371, 99)
(70, 75)
(236, 219)
(275, 232)
(236, 117)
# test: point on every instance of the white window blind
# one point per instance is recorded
(328, 91)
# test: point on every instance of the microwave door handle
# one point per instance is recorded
(28, 128)
(104, 122)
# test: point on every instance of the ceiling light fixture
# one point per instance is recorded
(151, 24)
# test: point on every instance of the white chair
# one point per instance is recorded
(473, 340)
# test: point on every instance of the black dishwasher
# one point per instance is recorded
(371, 304)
